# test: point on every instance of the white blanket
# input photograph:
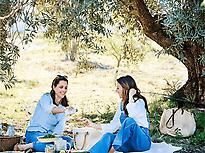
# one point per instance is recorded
(162, 147)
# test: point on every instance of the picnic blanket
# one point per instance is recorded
(162, 147)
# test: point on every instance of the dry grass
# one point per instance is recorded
(89, 92)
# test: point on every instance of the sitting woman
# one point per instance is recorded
(129, 129)
(49, 117)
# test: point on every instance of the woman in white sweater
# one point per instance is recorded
(129, 129)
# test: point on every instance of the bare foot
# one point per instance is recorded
(111, 150)
(132, 92)
(16, 147)
(22, 147)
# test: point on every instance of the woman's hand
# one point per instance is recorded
(86, 122)
(89, 123)
(70, 111)
(132, 92)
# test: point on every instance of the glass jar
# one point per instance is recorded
(1, 129)
(10, 131)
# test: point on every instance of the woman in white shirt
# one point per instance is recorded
(129, 129)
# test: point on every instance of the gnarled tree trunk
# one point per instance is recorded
(193, 91)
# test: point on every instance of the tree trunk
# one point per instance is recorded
(193, 91)
(73, 49)
(117, 69)
(3, 33)
(3, 36)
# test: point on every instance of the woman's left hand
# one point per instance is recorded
(89, 123)
(86, 122)
(132, 92)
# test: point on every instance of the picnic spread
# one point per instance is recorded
(8, 139)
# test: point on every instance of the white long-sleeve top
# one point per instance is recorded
(136, 110)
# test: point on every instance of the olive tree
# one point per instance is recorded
(11, 12)
(180, 29)
(124, 46)
(176, 25)
(8, 51)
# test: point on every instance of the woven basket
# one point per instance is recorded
(8, 143)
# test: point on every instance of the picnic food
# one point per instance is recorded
(47, 138)
(62, 151)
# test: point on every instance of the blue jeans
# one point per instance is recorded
(130, 138)
(31, 137)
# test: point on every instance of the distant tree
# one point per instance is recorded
(124, 46)
(68, 22)
(70, 47)
(176, 25)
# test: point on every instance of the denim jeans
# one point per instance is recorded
(129, 138)
(32, 137)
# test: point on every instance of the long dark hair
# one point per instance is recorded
(55, 82)
(127, 82)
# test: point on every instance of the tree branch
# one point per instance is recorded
(13, 12)
(151, 28)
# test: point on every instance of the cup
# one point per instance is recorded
(10, 131)
(60, 144)
(50, 148)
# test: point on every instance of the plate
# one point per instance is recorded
(42, 139)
